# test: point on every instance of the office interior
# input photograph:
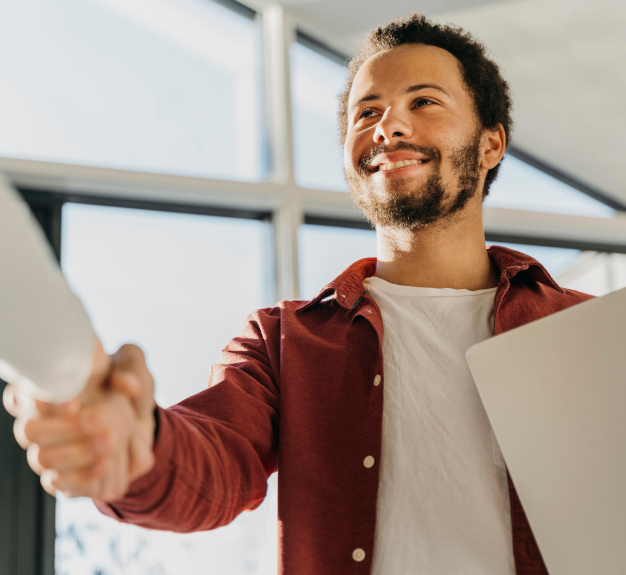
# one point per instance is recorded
(183, 160)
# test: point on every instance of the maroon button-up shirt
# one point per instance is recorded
(295, 393)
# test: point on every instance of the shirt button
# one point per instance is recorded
(377, 380)
(369, 461)
(358, 554)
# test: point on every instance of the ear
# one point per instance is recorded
(494, 144)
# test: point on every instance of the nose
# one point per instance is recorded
(391, 126)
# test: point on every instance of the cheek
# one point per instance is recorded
(351, 156)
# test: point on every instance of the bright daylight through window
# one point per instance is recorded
(325, 251)
(135, 84)
(522, 187)
(180, 286)
(315, 83)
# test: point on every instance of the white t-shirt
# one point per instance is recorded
(443, 504)
(46, 340)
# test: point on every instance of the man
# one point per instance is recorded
(411, 485)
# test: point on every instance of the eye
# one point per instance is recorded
(365, 113)
(420, 102)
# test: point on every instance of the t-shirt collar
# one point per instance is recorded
(347, 287)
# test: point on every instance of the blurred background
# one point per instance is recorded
(183, 159)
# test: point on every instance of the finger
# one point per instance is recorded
(55, 430)
(131, 376)
(73, 456)
(32, 456)
(69, 408)
(9, 399)
(18, 431)
(127, 381)
(100, 368)
(114, 413)
(129, 355)
(47, 478)
(78, 483)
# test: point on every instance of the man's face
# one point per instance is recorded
(411, 104)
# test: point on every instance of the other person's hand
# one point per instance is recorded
(97, 444)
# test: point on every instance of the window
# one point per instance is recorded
(596, 273)
(316, 82)
(155, 85)
(180, 286)
(519, 186)
(325, 251)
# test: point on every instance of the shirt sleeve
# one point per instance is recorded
(215, 450)
(46, 339)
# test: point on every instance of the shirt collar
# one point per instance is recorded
(347, 287)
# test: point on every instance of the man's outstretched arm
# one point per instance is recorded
(213, 452)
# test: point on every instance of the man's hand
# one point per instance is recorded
(97, 444)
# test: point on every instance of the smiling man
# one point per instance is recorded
(411, 484)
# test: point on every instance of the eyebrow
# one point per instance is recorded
(409, 90)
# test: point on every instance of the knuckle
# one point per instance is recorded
(9, 399)
(130, 351)
(42, 459)
(18, 431)
(29, 429)
(32, 456)
(47, 484)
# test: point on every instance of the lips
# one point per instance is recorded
(396, 160)
(400, 164)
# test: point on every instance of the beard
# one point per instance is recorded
(427, 203)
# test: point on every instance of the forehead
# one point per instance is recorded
(396, 69)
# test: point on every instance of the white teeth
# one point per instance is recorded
(400, 164)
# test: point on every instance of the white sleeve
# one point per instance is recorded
(46, 340)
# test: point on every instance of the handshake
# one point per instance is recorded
(97, 444)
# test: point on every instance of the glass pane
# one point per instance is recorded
(522, 187)
(596, 273)
(315, 83)
(156, 85)
(326, 251)
(180, 286)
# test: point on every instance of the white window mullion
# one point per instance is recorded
(278, 33)
(277, 37)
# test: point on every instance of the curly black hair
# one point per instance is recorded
(489, 90)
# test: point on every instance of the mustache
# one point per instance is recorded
(366, 160)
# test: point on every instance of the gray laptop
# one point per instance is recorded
(555, 393)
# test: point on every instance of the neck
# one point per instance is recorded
(444, 255)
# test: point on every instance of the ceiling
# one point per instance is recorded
(565, 61)
(347, 20)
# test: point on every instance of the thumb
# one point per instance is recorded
(131, 376)
(127, 382)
